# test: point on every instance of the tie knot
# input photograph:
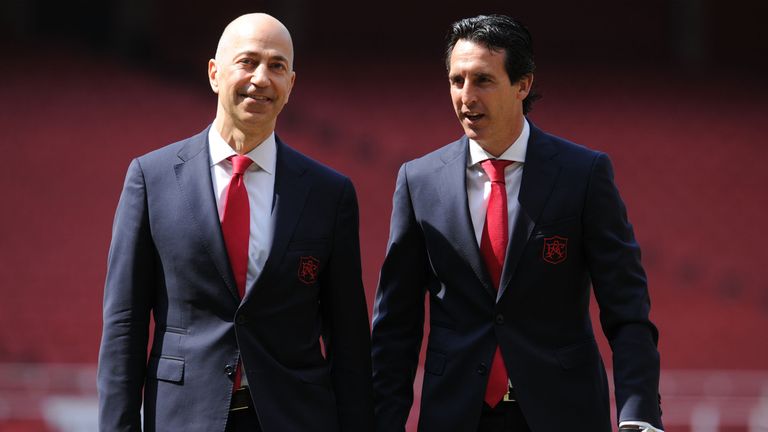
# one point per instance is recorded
(240, 163)
(495, 168)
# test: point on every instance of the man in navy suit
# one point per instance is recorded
(245, 253)
(505, 230)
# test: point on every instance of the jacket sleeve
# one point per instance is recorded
(398, 317)
(621, 292)
(128, 295)
(345, 320)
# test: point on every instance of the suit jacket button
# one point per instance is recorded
(241, 319)
(500, 319)
(229, 370)
(482, 369)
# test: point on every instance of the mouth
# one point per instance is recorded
(473, 117)
(256, 97)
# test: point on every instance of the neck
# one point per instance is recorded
(242, 140)
(497, 145)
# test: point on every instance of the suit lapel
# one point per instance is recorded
(193, 176)
(539, 176)
(452, 184)
(291, 190)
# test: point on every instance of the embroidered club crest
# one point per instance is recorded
(308, 269)
(555, 249)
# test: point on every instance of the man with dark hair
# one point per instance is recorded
(501, 34)
(505, 230)
(244, 252)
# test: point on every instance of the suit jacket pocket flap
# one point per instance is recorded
(166, 369)
(576, 355)
(319, 376)
(435, 363)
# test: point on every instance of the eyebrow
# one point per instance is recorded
(278, 57)
(473, 75)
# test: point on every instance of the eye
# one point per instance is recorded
(483, 79)
(247, 62)
(278, 66)
(456, 81)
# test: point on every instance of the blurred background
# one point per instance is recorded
(673, 90)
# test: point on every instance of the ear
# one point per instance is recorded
(290, 86)
(525, 84)
(213, 72)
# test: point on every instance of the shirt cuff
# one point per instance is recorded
(646, 426)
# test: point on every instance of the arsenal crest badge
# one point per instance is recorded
(308, 269)
(555, 249)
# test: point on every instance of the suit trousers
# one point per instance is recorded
(243, 421)
(505, 417)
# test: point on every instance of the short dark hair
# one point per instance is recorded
(499, 33)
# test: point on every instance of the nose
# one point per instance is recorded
(260, 77)
(468, 95)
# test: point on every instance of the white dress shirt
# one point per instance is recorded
(479, 191)
(260, 182)
(479, 184)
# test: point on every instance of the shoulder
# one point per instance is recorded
(176, 152)
(547, 143)
(574, 159)
(443, 155)
(288, 158)
(454, 152)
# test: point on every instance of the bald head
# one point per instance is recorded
(254, 26)
(252, 75)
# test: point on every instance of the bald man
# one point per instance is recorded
(245, 253)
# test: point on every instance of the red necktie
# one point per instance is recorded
(236, 228)
(493, 247)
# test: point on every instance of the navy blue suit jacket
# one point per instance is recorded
(572, 232)
(168, 260)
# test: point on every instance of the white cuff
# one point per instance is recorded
(647, 427)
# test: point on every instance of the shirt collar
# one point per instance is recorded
(515, 152)
(264, 155)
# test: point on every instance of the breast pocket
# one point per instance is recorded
(555, 242)
(308, 245)
(308, 258)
